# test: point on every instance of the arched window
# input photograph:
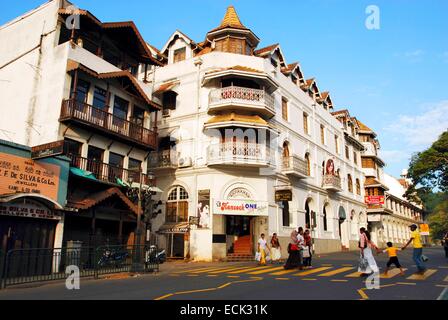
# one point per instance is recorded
(177, 205)
(307, 215)
(308, 163)
(358, 187)
(350, 183)
(325, 219)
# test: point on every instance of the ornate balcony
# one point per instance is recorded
(241, 98)
(331, 183)
(239, 153)
(105, 122)
(295, 166)
(163, 160)
(107, 173)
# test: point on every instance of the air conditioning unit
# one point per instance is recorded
(184, 162)
(166, 113)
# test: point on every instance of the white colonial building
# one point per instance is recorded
(248, 147)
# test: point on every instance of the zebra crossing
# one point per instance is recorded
(324, 271)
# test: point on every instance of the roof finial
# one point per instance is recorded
(231, 18)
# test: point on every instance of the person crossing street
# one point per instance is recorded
(417, 255)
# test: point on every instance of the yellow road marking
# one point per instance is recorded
(226, 270)
(266, 271)
(354, 275)
(326, 265)
(257, 278)
(392, 273)
(305, 273)
(309, 279)
(204, 290)
(233, 276)
(281, 278)
(347, 265)
(203, 270)
(334, 272)
(339, 280)
(249, 269)
(192, 275)
(212, 275)
(363, 294)
(407, 283)
(446, 279)
(174, 275)
(424, 276)
(280, 273)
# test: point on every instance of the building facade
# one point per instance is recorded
(249, 146)
(70, 77)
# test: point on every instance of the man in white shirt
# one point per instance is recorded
(300, 244)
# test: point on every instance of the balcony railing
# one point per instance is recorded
(331, 182)
(107, 122)
(245, 97)
(108, 173)
(296, 166)
(249, 154)
(163, 160)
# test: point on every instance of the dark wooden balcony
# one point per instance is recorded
(96, 119)
(108, 173)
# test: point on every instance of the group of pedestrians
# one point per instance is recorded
(367, 263)
(299, 250)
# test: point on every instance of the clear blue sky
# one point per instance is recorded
(393, 79)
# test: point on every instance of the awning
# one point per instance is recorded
(166, 87)
(95, 199)
(82, 173)
(236, 119)
(342, 215)
(174, 227)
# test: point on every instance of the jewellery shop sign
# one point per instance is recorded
(240, 207)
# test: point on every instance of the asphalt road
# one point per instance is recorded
(333, 277)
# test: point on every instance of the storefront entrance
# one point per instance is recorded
(175, 245)
(239, 231)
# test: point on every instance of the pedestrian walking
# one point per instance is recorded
(275, 249)
(307, 250)
(393, 258)
(263, 250)
(367, 263)
(445, 244)
(301, 245)
(417, 254)
(293, 252)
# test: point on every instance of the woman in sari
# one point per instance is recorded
(294, 253)
(275, 248)
(367, 263)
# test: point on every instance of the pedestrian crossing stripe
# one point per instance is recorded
(248, 270)
(209, 270)
(391, 273)
(200, 270)
(423, 276)
(280, 273)
(334, 272)
(266, 271)
(446, 279)
(305, 273)
(225, 270)
(354, 275)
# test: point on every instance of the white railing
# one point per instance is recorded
(295, 164)
(246, 96)
(238, 152)
(331, 182)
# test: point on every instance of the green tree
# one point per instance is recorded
(428, 171)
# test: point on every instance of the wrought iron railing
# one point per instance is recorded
(108, 173)
(331, 182)
(295, 164)
(238, 152)
(247, 96)
(163, 159)
(105, 121)
(47, 264)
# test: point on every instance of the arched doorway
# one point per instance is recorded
(176, 216)
(343, 227)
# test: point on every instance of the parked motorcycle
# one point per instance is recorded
(113, 257)
(155, 256)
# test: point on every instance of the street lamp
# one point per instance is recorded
(137, 265)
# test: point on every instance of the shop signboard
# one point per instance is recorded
(23, 175)
(29, 210)
(283, 195)
(47, 150)
(424, 229)
(378, 200)
(240, 207)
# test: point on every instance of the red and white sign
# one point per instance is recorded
(240, 207)
(374, 199)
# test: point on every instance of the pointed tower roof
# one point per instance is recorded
(231, 19)
(231, 23)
